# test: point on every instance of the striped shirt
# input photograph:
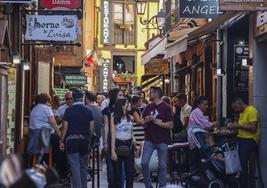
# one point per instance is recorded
(138, 129)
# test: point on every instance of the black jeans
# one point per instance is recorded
(128, 166)
(246, 147)
(195, 158)
(59, 157)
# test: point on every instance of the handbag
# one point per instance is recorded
(231, 159)
(123, 151)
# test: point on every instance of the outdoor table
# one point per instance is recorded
(222, 136)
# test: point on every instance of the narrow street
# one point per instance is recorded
(173, 87)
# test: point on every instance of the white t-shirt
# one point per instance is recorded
(185, 112)
(39, 117)
(124, 129)
(61, 111)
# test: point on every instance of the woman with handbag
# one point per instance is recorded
(122, 143)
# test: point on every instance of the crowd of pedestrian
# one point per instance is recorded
(134, 132)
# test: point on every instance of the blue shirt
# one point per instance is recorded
(78, 118)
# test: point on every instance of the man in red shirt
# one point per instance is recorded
(159, 122)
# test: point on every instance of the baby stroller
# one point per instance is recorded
(211, 172)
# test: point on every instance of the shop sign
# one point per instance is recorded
(75, 80)
(243, 5)
(241, 71)
(61, 92)
(106, 75)
(16, 1)
(261, 23)
(106, 21)
(61, 4)
(52, 28)
(199, 8)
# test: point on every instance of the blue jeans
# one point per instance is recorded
(162, 150)
(78, 165)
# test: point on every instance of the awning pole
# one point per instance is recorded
(219, 80)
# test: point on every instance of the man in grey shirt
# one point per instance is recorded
(96, 112)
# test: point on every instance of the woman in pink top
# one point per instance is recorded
(200, 120)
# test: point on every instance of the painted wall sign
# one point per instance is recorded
(52, 28)
(106, 21)
(246, 5)
(199, 8)
(61, 4)
(16, 1)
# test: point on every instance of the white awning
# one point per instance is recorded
(158, 49)
(177, 47)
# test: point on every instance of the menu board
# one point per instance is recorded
(241, 71)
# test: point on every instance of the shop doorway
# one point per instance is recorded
(3, 111)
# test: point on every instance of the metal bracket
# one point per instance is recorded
(152, 21)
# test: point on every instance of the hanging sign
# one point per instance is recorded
(105, 75)
(199, 8)
(16, 1)
(76, 80)
(61, 4)
(106, 21)
(52, 28)
(245, 5)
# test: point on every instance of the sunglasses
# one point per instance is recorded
(68, 99)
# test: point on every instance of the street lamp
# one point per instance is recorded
(16, 58)
(157, 21)
(141, 6)
(161, 19)
(26, 65)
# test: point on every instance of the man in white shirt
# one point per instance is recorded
(184, 115)
(61, 111)
(185, 109)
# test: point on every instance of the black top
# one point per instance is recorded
(135, 110)
(78, 118)
(107, 111)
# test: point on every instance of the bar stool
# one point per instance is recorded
(179, 161)
(255, 174)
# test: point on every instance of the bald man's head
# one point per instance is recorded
(69, 98)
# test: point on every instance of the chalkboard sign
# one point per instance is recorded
(241, 71)
(199, 8)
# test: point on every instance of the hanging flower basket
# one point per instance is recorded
(124, 78)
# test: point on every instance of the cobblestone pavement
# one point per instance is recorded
(104, 184)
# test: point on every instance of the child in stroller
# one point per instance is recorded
(210, 172)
